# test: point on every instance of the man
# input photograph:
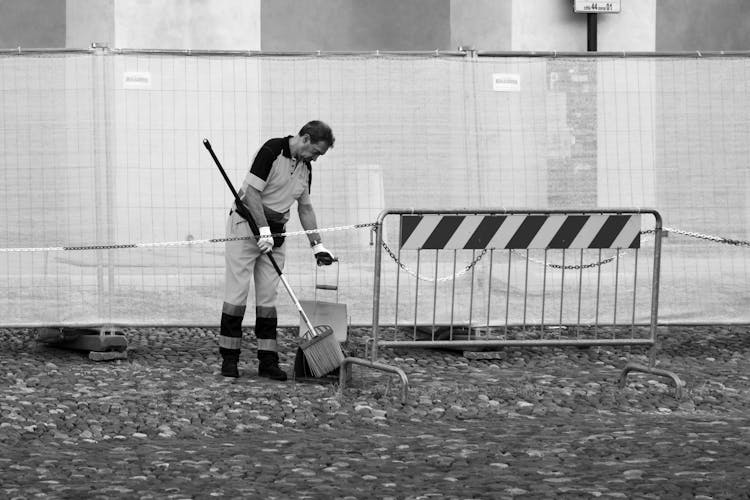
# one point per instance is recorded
(280, 175)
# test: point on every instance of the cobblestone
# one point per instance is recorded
(531, 423)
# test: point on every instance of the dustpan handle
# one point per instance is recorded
(318, 286)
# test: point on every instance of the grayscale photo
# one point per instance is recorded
(374, 249)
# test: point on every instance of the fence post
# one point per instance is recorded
(103, 178)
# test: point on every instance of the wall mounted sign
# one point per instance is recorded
(596, 7)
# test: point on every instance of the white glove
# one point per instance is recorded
(322, 256)
(265, 242)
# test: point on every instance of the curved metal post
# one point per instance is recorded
(376, 366)
(637, 367)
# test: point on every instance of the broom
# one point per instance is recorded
(320, 347)
(322, 351)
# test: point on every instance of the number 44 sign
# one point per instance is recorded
(596, 7)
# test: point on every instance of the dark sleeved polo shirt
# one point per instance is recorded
(281, 179)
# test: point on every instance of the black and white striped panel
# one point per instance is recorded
(518, 231)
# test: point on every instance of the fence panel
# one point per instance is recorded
(111, 209)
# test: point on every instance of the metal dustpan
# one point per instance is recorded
(326, 312)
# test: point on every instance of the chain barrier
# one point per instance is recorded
(484, 251)
(715, 239)
(188, 242)
(425, 278)
(598, 263)
(467, 268)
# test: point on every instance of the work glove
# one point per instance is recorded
(265, 241)
(322, 256)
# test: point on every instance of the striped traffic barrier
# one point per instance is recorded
(516, 278)
(520, 231)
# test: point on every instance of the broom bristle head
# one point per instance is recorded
(323, 353)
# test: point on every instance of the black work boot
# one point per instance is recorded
(268, 366)
(230, 340)
(230, 358)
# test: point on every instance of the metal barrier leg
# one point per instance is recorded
(637, 367)
(345, 367)
(370, 341)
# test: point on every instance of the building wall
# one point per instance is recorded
(552, 25)
(482, 24)
(631, 30)
(89, 21)
(547, 25)
(709, 25)
(188, 24)
(32, 23)
(166, 24)
(355, 25)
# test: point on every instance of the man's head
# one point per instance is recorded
(315, 139)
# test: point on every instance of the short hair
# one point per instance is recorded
(318, 131)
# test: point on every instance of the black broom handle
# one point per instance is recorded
(240, 206)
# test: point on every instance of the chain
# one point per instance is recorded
(536, 261)
(188, 242)
(297, 233)
(425, 278)
(717, 239)
(599, 263)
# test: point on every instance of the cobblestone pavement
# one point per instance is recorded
(536, 423)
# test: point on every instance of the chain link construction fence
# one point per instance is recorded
(112, 212)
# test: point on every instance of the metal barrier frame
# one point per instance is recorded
(651, 341)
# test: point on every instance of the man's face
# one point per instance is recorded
(310, 151)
